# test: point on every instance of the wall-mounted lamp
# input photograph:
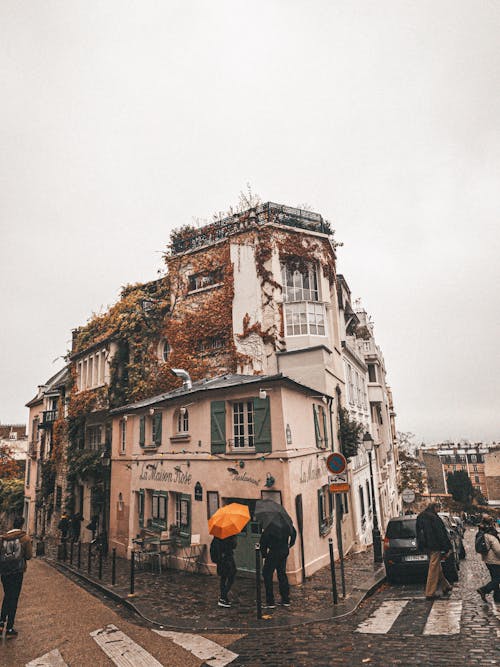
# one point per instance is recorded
(183, 411)
(125, 418)
(269, 480)
(151, 466)
(177, 469)
(322, 398)
(151, 411)
(241, 464)
(263, 393)
(233, 471)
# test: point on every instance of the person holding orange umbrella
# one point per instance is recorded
(224, 525)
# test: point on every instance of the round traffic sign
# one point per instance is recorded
(408, 495)
(336, 463)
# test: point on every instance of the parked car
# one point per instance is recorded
(454, 532)
(402, 557)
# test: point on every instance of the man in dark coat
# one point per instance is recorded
(226, 567)
(432, 537)
(274, 547)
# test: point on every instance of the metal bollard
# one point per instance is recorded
(332, 571)
(79, 555)
(100, 563)
(113, 567)
(132, 573)
(89, 558)
(258, 597)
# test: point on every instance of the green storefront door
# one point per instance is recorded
(244, 554)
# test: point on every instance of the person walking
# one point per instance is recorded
(491, 558)
(15, 550)
(432, 537)
(275, 546)
(222, 553)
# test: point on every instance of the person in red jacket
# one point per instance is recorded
(15, 550)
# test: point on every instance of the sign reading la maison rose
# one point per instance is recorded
(173, 476)
(310, 473)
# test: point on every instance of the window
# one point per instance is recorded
(123, 436)
(212, 503)
(183, 515)
(345, 503)
(372, 373)
(325, 509)
(164, 350)
(243, 424)
(140, 507)
(200, 280)
(28, 471)
(476, 479)
(304, 313)
(183, 421)
(58, 497)
(94, 437)
(209, 345)
(159, 510)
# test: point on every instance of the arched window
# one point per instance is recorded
(183, 421)
(164, 350)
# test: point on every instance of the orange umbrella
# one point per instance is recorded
(228, 520)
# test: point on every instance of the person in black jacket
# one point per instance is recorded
(226, 567)
(432, 537)
(275, 547)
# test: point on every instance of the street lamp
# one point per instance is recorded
(369, 444)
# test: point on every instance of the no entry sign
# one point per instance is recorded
(336, 463)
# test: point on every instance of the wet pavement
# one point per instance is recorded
(188, 601)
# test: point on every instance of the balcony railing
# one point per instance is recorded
(262, 214)
(48, 418)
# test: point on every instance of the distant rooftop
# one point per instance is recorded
(189, 239)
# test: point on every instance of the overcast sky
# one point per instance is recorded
(121, 120)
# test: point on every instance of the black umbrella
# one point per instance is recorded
(274, 517)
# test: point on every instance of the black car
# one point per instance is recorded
(402, 557)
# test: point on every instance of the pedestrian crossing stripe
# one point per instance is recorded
(443, 619)
(121, 649)
(210, 652)
(382, 620)
(52, 659)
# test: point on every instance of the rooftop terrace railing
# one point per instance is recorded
(264, 213)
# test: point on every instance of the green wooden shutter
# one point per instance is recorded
(157, 418)
(218, 427)
(325, 431)
(262, 424)
(142, 431)
(316, 426)
(141, 507)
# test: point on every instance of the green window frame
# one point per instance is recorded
(140, 507)
(142, 431)
(159, 510)
(156, 423)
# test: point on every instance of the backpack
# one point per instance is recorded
(11, 556)
(215, 551)
(480, 544)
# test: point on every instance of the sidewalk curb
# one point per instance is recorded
(343, 609)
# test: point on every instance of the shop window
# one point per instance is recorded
(183, 515)
(140, 507)
(159, 508)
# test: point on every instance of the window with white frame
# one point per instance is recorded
(183, 421)
(91, 371)
(243, 424)
(159, 510)
(304, 312)
(164, 350)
